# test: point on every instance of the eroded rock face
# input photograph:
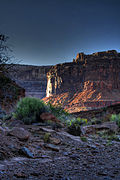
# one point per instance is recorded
(89, 81)
(10, 93)
(32, 78)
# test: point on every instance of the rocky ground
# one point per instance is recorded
(39, 152)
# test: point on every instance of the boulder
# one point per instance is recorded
(111, 126)
(48, 116)
(20, 133)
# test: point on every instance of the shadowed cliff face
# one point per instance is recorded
(10, 92)
(32, 78)
(90, 81)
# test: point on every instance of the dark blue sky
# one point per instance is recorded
(53, 31)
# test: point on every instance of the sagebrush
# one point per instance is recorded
(116, 118)
(29, 109)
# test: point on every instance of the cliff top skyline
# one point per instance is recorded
(51, 32)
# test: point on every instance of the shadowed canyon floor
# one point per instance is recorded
(26, 153)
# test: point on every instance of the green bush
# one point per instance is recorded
(74, 125)
(83, 138)
(116, 118)
(4, 80)
(58, 111)
(29, 109)
(47, 137)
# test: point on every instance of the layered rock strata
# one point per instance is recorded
(32, 78)
(90, 81)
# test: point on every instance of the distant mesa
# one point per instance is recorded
(90, 81)
(104, 54)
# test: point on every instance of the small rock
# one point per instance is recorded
(91, 146)
(102, 173)
(52, 147)
(2, 130)
(20, 133)
(2, 156)
(25, 151)
(55, 141)
(39, 124)
(66, 178)
(2, 116)
(94, 151)
(44, 156)
(12, 148)
(1, 172)
(35, 173)
(65, 153)
(20, 175)
(74, 157)
(46, 129)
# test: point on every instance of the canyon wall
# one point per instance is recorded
(32, 78)
(90, 81)
(10, 92)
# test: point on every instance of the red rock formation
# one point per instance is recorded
(90, 81)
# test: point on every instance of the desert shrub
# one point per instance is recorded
(58, 111)
(29, 109)
(95, 121)
(4, 80)
(74, 126)
(77, 121)
(47, 137)
(116, 118)
(83, 138)
(81, 120)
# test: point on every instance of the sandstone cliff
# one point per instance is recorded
(32, 78)
(90, 81)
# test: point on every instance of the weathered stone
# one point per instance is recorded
(25, 151)
(48, 116)
(47, 130)
(20, 175)
(75, 138)
(2, 130)
(111, 126)
(52, 147)
(20, 133)
(55, 141)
